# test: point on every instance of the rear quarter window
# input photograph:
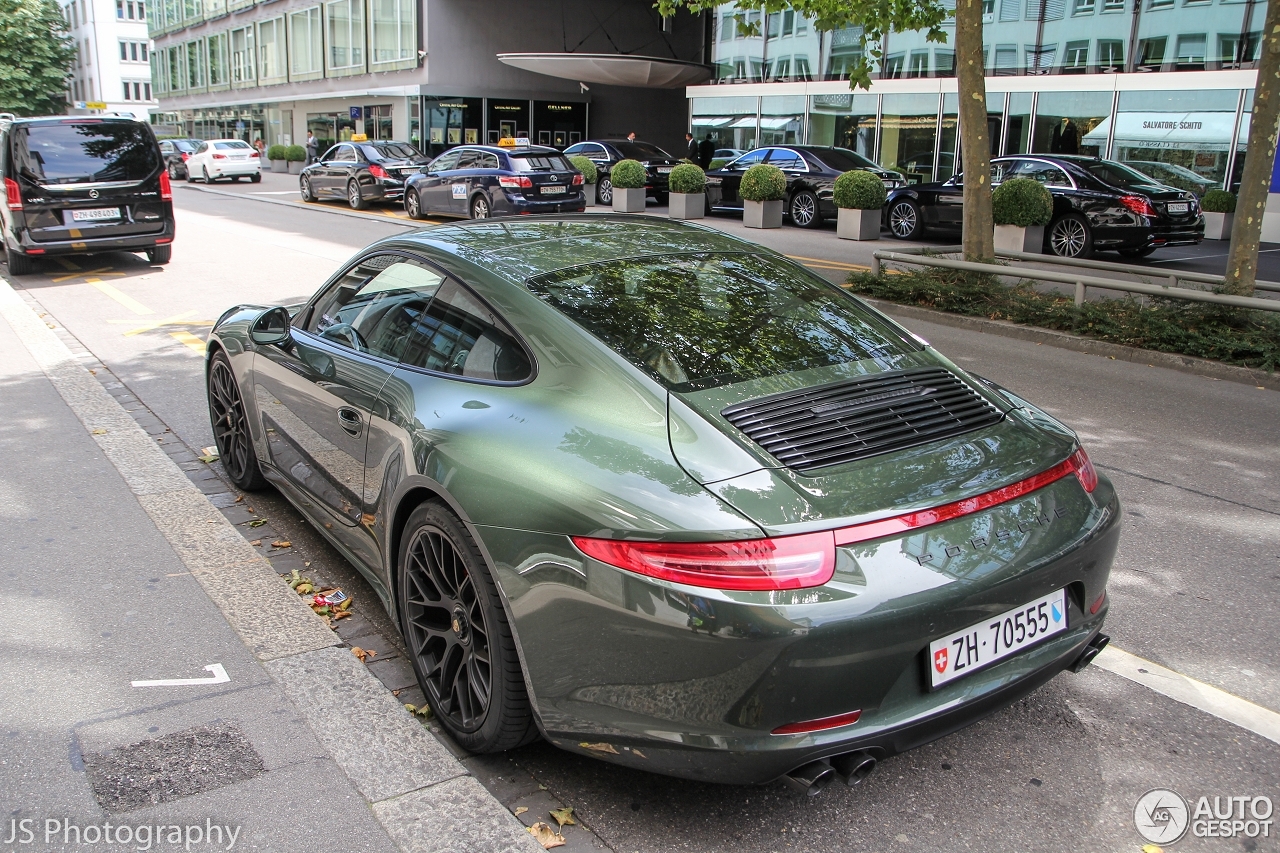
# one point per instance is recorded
(72, 152)
(540, 163)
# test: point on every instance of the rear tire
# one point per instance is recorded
(207, 179)
(904, 220)
(255, 179)
(231, 426)
(354, 198)
(1070, 237)
(480, 207)
(459, 641)
(604, 192)
(160, 255)
(173, 172)
(19, 264)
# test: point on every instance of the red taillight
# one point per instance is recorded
(1097, 605)
(819, 725)
(185, 155)
(514, 181)
(1138, 204)
(377, 171)
(35, 251)
(12, 194)
(253, 155)
(785, 562)
(166, 188)
(219, 156)
(1085, 472)
(577, 180)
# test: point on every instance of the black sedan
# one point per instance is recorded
(606, 152)
(811, 172)
(1097, 205)
(175, 153)
(479, 181)
(361, 172)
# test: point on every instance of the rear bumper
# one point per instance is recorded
(520, 205)
(23, 244)
(1150, 236)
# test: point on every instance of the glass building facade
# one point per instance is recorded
(1162, 84)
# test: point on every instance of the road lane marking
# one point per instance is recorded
(274, 192)
(826, 264)
(190, 340)
(174, 320)
(219, 677)
(103, 271)
(123, 298)
(1218, 703)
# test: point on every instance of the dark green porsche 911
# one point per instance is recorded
(667, 498)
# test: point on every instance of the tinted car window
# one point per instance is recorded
(379, 151)
(706, 320)
(539, 163)
(786, 159)
(1118, 175)
(345, 154)
(460, 336)
(749, 159)
(184, 145)
(374, 305)
(68, 153)
(842, 159)
(640, 151)
(445, 161)
(1046, 173)
(235, 144)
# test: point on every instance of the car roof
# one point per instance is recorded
(499, 149)
(74, 120)
(525, 247)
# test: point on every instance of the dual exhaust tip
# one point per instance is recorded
(1096, 645)
(850, 768)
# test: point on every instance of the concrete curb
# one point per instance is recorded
(416, 789)
(1063, 340)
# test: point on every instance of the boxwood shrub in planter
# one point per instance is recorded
(1219, 207)
(628, 178)
(1021, 208)
(859, 196)
(296, 155)
(275, 158)
(762, 189)
(688, 185)
(589, 176)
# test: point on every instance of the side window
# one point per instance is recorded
(460, 336)
(468, 160)
(331, 154)
(573, 150)
(346, 154)
(487, 161)
(749, 159)
(786, 160)
(204, 146)
(999, 171)
(444, 162)
(594, 150)
(1046, 173)
(166, 147)
(373, 307)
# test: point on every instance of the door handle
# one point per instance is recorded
(350, 420)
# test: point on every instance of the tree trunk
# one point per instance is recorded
(975, 146)
(1242, 258)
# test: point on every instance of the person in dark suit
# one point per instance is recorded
(706, 152)
(692, 145)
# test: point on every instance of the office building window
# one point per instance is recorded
(242, 57)
(1083, 7)
(1075, 59)
(919, 66)
(306, 53)
(1113, 5)
(271, 51)
(218, 72)
(1191, 51)
(1110, 54)
(1006, 60)
(192, 10)
(196, 64)
(1066, 123)
(394, 36)
(146, 90)
(177, 74)
(126, 91)
(119, 8)
(908, 131)
(788, 23)
(1151, 52)
(344, 22)
(944, 62)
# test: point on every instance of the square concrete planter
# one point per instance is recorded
(687, 205)
(1217, 226)
(762, 214)
(628, 200)
(295, 166)
(854, 224)
(278, 165)
(589, 193)
(1015, 238)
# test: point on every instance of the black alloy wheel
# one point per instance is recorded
(231, 426)
(412, 203)
(604, 191)
(1069, 237)
(804, 210)
(457, 635)
(354, 198)
(305, 190)
(173, 171)
(479, 207)
(904, 220)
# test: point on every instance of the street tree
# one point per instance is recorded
(1255, 182)
(36, 54)
(877, 18)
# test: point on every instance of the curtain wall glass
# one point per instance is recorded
(844, 121)
(727, 122)
(908, 134)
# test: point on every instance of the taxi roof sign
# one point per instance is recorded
(514, 142)
(359, 137)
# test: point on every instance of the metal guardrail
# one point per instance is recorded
(1081, 282)
(1173, 276)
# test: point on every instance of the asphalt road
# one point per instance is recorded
(1196, 462)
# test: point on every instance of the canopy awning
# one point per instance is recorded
(1190, 131)
(612, 69)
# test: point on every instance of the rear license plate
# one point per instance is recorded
(994, 639)
(553, 190)
(1178, 207)
(664, 170)
(95, 214)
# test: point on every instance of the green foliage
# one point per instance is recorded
(1230, 335)
(1022, 201)
(295, 153)
(763, 182)
(276, 152)
(628, 175)
(688, 178)
(859, 190)
(35, 58)
(868, 20)
(1218, 201)
(717, 162)
(586, 167)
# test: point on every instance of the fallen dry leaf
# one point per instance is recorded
(1151, 848)
(239, 499)
(564, 816)
(255, 541)
(599, 747)
(257, 522)
(341, 614)
(363, 654)
(282, 543)
(423, 711)
(99, 432)
(546, 836)
(521, 810)
(205, 459)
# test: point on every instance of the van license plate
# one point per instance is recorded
(996, 638)
(1178, 207)
(95, 214)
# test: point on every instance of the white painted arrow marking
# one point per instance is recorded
(219, 677)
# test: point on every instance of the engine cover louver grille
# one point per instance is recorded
(854, 419)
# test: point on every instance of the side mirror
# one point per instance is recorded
(271, 328)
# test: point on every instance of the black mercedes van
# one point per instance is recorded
(79, 185)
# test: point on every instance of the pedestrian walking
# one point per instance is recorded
(706, 152)
(692, 145)
(312, 146)
(261, 148)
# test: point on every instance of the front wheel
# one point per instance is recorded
(604, 191)
(457, 634)
(354, 198)
(412, 204)
(173, 172)
(1069, 237)
(231, 426)
(804, 210)
(904, 220)
(305, 190)
(480, 207)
